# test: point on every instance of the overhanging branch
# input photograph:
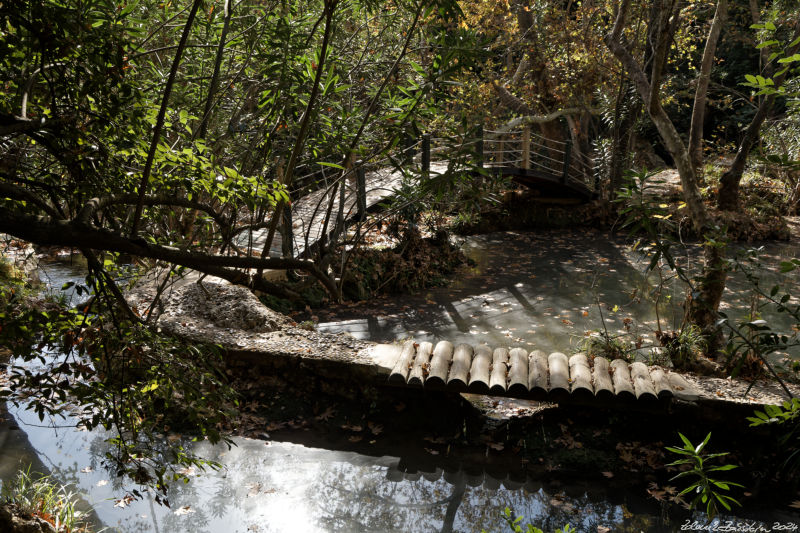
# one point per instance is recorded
(12, 124)
(542, 119)
(48, 232)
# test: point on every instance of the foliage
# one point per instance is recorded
(38, 495)
(709, 492)
(778, 45)
(255, 106)
(105, 370)
(515, 525)
(413, 264)
(602, 344)
(788, 415)
(754, 339)
(682, 347)
(168, 132)
(643, 213)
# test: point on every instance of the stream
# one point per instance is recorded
(544, 290)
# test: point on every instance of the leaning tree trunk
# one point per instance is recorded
(728, 195)
(698, 111)
(702, 305)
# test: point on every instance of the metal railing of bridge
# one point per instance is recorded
(335, 192)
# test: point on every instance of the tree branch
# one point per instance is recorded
(11, 124)
(48, 232)
(541, 119)
(96, 204)
(704, 78)
(20, 193)
(512, 102)
(148, 166)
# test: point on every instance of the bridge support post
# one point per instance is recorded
(567, 157)
(526, 148)
(287, 239)
(361, 190)
(479, 147)
(426, 155)
(500, 153)
(408, 153)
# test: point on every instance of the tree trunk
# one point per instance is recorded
(626, 112)
(728, 195)
(702, 305)
(701, 92)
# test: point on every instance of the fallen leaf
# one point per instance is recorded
(255, 488)
(186, 509)
(355, 438)
(124, 501)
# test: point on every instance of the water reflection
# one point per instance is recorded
(524, 289)
(282, 487)
(547, 289)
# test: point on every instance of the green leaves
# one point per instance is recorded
(776, 414)
(782, 54)
(515, 525)
(707, 489)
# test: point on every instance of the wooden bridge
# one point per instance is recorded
(533, 376)
(532, 160)
(329, 197)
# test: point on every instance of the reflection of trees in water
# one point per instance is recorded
(523, 274)
(362, 499)
(272, 487)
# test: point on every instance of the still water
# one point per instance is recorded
(524, 289)
(547, 290)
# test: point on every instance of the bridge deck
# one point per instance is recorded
(533, 376)
(309, 212)
(538, 179)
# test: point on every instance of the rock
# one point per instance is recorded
(13, 521)
(224, 306)
(21, 257)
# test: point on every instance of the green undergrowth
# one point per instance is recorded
(34, 496)
(12, 280)
(522, 210)
(415, 263)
